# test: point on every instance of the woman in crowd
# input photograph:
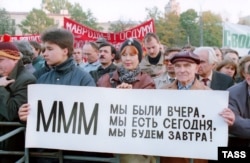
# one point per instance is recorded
(228, 67)
(129, 76)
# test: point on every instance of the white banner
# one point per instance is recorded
(149, 122)
(236, 37)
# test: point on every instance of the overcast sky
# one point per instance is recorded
(110, 10)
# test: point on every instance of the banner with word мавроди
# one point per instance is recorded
(83, 33)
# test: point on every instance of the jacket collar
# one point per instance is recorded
(18, 68)
(196, 85)
(65, 67)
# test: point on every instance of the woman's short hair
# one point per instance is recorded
(226, 62)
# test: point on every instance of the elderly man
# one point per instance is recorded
(14, 79)
(213, 79)
(186, 65)
(90, 50)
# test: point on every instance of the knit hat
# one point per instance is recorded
(8, 49)
(136, 44)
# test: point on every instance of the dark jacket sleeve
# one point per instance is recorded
(12, 97)
(87, 80)
(238, 96)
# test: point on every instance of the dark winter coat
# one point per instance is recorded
(67, 73)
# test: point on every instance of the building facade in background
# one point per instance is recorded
(18, 17)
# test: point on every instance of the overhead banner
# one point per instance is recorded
(83, 33)
(127, 121)
(236, 37)
(26, 37)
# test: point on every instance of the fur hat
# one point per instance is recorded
(136, 44)
(186, 56)
(8, 49)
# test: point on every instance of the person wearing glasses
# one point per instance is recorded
(169, 75)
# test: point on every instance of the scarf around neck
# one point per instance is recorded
(128, 76)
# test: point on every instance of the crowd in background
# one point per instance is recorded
(135, 65)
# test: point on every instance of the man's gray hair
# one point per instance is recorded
(212, 58)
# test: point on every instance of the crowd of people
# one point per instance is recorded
(135, 65)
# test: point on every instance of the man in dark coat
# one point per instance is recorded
(213, 79)
(107, 53)
(14, 81)
(60, 69)
(239, 102)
